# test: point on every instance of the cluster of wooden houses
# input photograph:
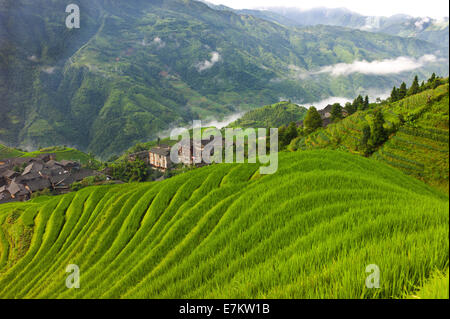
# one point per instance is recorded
(159, 157)
(21, 177)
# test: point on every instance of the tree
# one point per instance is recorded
(282, 136)
(358, 103)
(422, 86)
(394, 95)
(414, 89)
(349, 108)
(366, 103)
(365, 139)
(402, 91)
(336, 112)
(432, 78)
(291, 132)
(313, 120)
(126, 171)
(436, 83)
(379, 134)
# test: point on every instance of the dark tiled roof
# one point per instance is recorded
(83, 173)
(38, 185)
(28, 177)
(161, 151)
(46, 156)
(58, 178)
(139, 153)
(5, 197)
(9, 174)
(66, 163)
(18, 161)
(17, 189)
(33, 168)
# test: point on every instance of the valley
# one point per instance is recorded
(135, 69)
(347, 196)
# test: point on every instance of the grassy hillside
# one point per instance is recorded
(61, 153)
(224, 231)
(275, 115)
(7, 152)
(419, 145)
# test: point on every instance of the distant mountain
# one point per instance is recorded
(138, 67)
(424, 28)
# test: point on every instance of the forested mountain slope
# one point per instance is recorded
(425, 28)
(137, 67)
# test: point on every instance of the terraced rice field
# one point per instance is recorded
(61, 153)
(422, 149)
(224, 231)
(419, 146)
(6, 152)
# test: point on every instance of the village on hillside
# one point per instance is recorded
(23, 176)
(158, 157)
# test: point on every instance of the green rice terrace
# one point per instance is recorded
(225, 231)
(418, 146)
(61, 153)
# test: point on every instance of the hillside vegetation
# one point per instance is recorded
(275, 115)
(224, 231)
(418, 143)
(136, 68)
(425, 28)
(61, 153)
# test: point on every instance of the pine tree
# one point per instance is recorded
(402, 91)
(414, 89)
(394, 95)
(365, 140)
(358, 103)
(379, 134)
(366, 103)
(313, 120)
(432, 78)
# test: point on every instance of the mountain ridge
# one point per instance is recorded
(127, 75)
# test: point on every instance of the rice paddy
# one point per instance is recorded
(224, 231)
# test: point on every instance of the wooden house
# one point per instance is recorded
(159, 157)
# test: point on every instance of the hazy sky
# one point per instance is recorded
(417, 8)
